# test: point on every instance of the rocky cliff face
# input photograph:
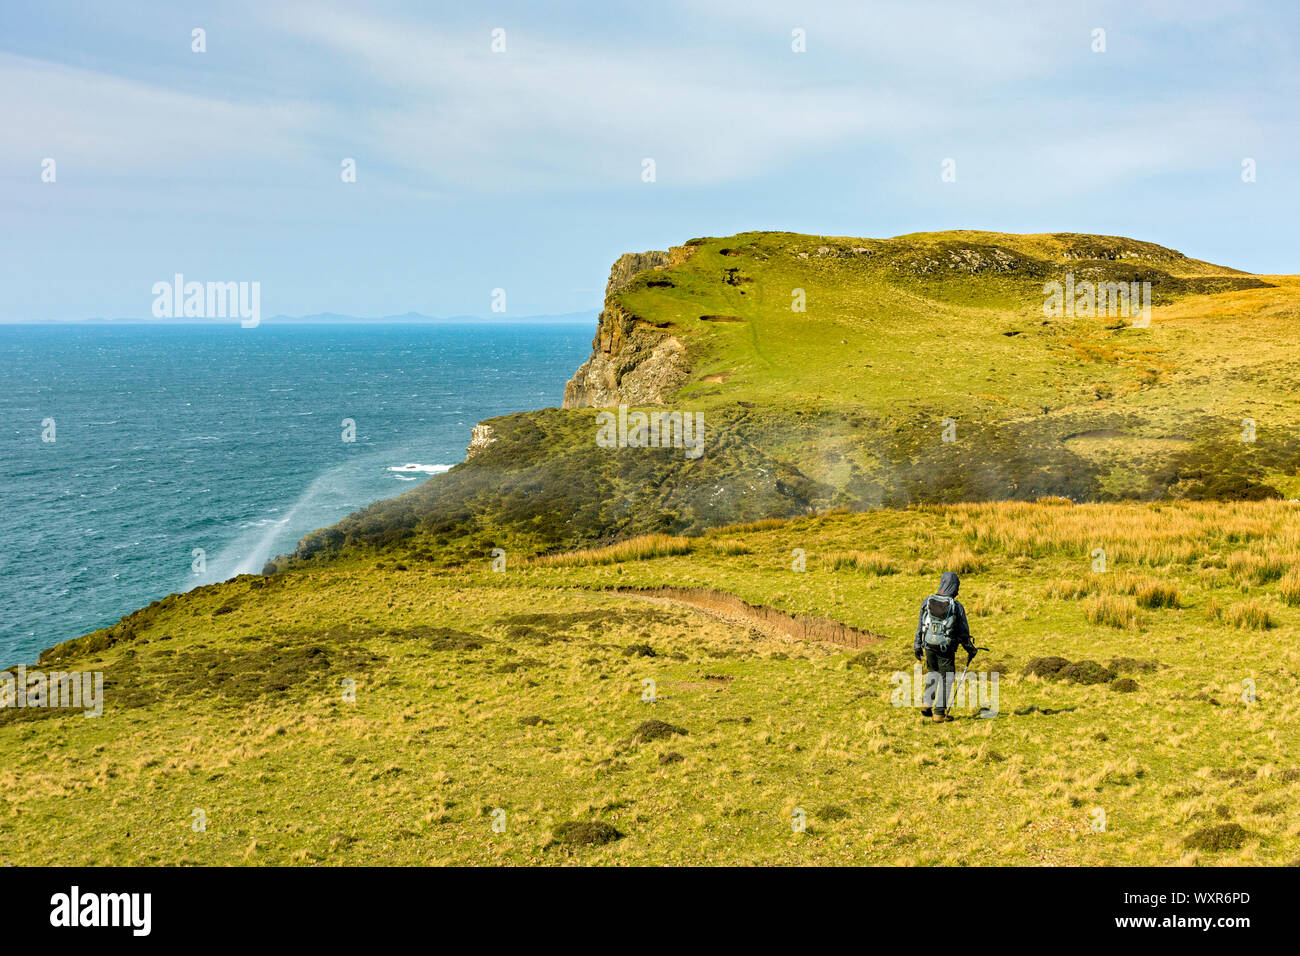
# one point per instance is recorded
(631, 362)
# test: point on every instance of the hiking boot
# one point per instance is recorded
(927, 712)
(942, 719)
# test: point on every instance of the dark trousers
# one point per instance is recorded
(937, 681)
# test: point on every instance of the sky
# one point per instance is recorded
(522, 168)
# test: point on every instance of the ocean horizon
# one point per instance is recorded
(185, 454)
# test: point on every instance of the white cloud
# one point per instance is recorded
(109, 126)
(556, 113)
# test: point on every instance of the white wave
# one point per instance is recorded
(427, 469)
(260, 523)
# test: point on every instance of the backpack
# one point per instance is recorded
(938, 621)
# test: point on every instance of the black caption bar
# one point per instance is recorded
(136, 906)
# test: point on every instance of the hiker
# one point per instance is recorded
(941, 629)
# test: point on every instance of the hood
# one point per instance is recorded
(948, 584)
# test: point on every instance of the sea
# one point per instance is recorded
(140, 460)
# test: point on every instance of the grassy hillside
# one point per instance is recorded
(639, 684)
(522, 691)
(844, 405)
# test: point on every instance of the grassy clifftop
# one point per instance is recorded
(855, 373)
(927, 321)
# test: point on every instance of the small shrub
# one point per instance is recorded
(1086, 672)
(984, 606)
(585, 833)
(1124, 665)
(1045, 666)
(1223, 836)
(655, 730)
(1124, 685)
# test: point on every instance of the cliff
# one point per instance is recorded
(632, 361)
(860, 373)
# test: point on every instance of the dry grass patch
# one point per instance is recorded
(1150, 592)
(1111, 610)
(872, 563)
(1249, 615)
(1072, 589)
(644, 548)
(1290, 587)
(1256, 569)
(730, 547)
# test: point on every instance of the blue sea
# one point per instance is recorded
(172, 438)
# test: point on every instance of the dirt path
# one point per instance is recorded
(768, 620)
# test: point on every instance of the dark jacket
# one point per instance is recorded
(949, 584)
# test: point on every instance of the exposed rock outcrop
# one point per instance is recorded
(479, 438)
(632, 362)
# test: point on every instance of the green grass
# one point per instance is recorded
(522, 691)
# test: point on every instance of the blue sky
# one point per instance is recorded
(522, 170)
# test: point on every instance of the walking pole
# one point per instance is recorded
(957, 683)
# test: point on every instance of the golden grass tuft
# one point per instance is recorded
(634, 549)
(1249, 567)
(1111, 610)
(1249, 615)
(872, 563)
(1150, 592)
(730, 547)
(745, 527)
(959, 560)
(1290, 587)
(1071, 589)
